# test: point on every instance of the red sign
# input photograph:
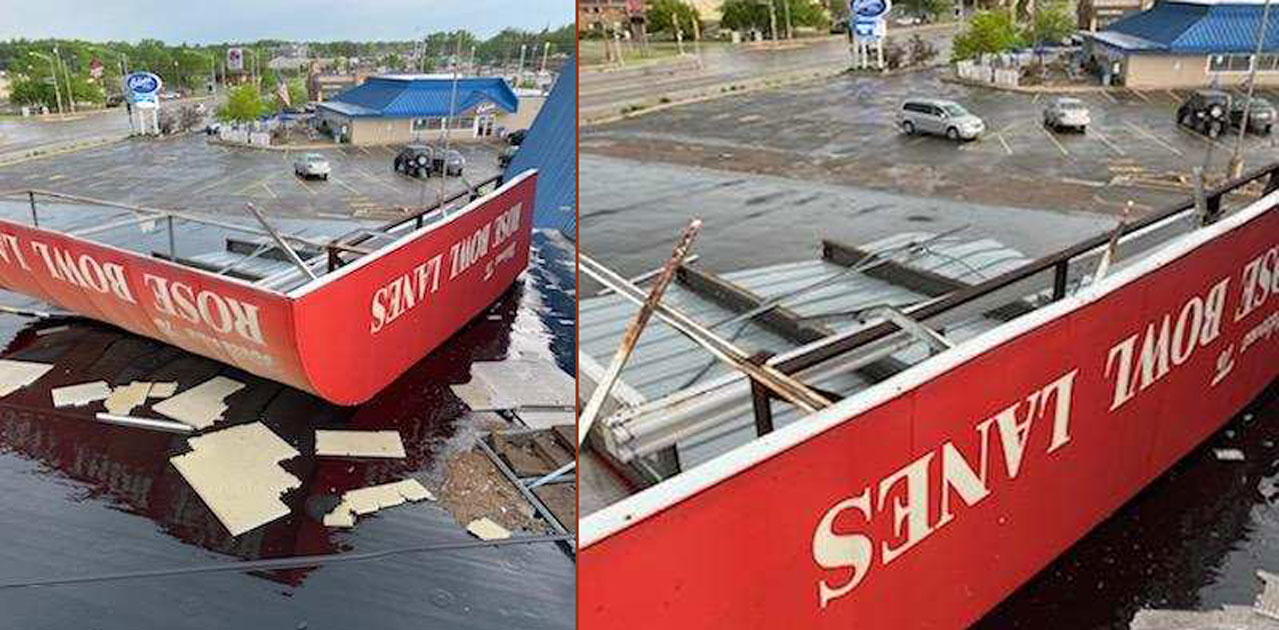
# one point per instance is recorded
(343, 337)
(925, 501)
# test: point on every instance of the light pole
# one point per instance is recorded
(1236, 160)
(53, 76)
(67, 76)
(790, 32)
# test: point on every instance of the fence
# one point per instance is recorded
(974, 71)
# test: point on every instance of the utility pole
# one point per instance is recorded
(772, 20)
(546, 50)
(519, 75)
(1236, 159)
(790, 32)
(67, 76)
(697, 36)
(53, 76)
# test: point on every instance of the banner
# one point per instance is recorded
(235, 59)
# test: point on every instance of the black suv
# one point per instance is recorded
(416, 159)
(1205, 111)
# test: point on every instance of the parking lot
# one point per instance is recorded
(187, 172)
(843, 131)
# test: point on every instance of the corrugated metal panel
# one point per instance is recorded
(1189, 28)
(382, 96)
(551, 148)
(665, 362)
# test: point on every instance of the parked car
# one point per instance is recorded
(505, 156)
(939, 117)
(1205, 111)
(1067, 113)
(168, 96)
(449, 163)
(115, 100)
(311, 165)
(1261, 115)
(516, 138)
(415, 160)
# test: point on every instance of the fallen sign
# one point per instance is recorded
(237, 474)
(370, 499)
(382, 444)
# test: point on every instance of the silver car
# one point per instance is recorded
(1067, 113)
(943, 118)
(311, 165)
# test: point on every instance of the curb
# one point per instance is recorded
(1041, 89)
(44, 152)
(273, 147)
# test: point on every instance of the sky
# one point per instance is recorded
(212, 21)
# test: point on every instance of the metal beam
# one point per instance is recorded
(279, 240)
(786, 387)
(779, 319)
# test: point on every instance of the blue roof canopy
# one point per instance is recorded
(411, 96)
(551, 148)
(1192, 28)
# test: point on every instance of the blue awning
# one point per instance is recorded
(414, 96)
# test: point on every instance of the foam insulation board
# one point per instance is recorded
(124, 398)
(370, 499)
(525, 383)
(81, 394)
(237, 473)
(486, 529)
(163, 389)
(15, 375)
(201, 405)
(385, 444)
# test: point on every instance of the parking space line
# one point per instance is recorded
(378, 180)
(303, 184)
(268, 189)
(345, 185)
(365, 150)
(1139, 95)
(1060, 147)
(1102, 137)
(1107, 94)
(1201, 137)
(1153, 138)
(1007, 148)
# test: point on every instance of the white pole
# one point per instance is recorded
(448, 124)
(1236, 160)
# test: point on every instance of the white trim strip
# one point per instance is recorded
(635, 508)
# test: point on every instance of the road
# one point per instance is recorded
(608, 91)
(19, 135)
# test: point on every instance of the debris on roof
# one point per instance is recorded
(486, 529)
(1229, 454)
(163, 389)
(201, 405)
(516, 383)
(81, 394)
(385, 444)
(15, 375)
(153, 424)
(124, 398)
(236, 471)
(368, 500)
(1267, 602)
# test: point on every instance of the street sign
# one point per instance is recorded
(870, 9)
(235, 59)
(142, 88)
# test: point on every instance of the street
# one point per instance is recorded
(607, 91)
(20, 135)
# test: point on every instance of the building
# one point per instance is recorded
(551, 148)
(399, 108)
(607, 16)
(1187, 43)
(322, 86)
(1097, 14)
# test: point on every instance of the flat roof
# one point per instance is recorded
(412, 96)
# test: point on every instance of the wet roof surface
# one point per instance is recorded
(86, 498)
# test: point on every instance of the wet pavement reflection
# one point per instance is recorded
(87, 498)
(1192, 540)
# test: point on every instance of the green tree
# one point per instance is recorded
(667, 16)
(987, 32)
(243, 104)
(745, 15)
(1052, 23)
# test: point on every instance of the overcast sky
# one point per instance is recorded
(210, 21)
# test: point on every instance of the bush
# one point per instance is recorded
(243, 104)
(922, 52)
(987, 32)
